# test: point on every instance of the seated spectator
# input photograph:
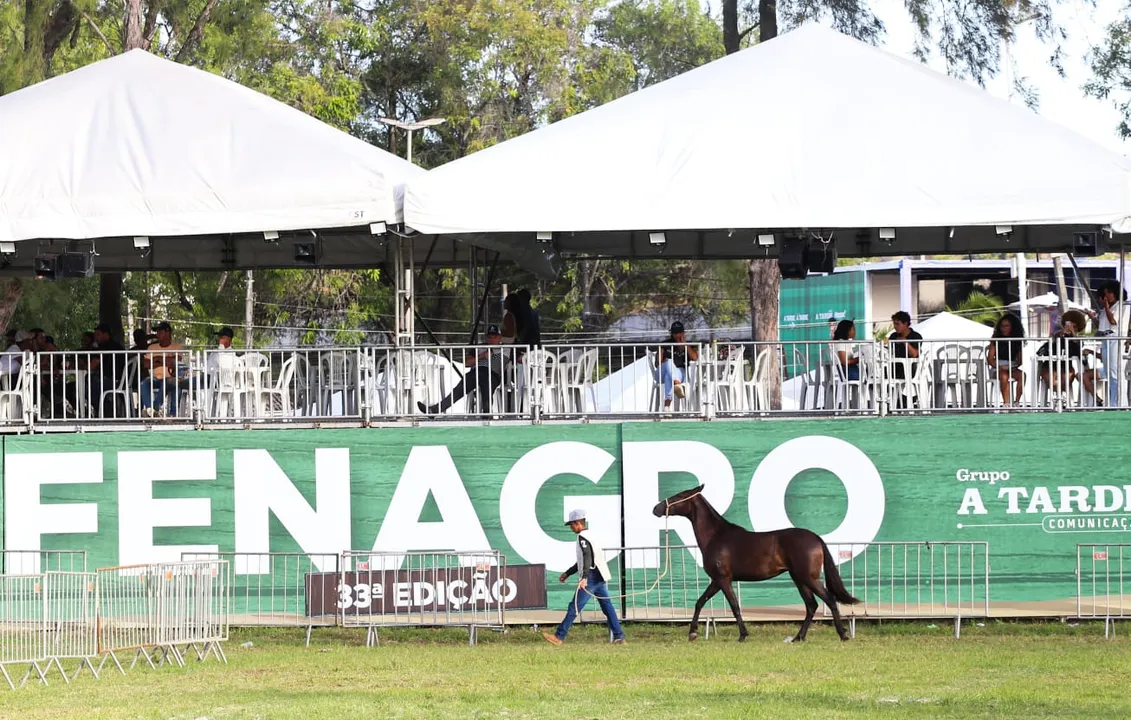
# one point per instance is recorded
(672, 359)
(223, 342)
(485, 376)
(1004, 353)
(12, 359)
(846, 351)
(1065, 346)
(167, 368)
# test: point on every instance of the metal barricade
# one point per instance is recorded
(158, 610)
(23, 629)
(1100, 588)
(273, 589)
(896, 580)
(71, 625)
(30, 562)
(915, 580)
(422, 589)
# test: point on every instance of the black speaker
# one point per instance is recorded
(1088, 244)
(75, 265)
(821, 258)
(793, 258)
(306, 253)
(46, 266)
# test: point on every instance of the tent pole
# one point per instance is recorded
(1023, 292)
(483, 302)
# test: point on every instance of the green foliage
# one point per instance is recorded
(981, 307)
(64, 308)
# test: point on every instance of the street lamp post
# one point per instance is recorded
(410, 127)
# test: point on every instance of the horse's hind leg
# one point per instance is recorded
(707, 595)
(827, 597)
(728, 590)
(810, 608)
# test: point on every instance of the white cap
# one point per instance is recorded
(23, 335)
(575, 515)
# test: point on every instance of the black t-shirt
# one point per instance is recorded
(899, 349)
(1062, 346)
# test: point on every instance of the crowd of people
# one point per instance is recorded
(1063, 359)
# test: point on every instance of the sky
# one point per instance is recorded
(1061, 99)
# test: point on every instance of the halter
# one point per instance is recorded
(668, 504)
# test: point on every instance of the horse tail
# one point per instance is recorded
(832, 579)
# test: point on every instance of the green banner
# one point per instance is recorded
(1031, 486)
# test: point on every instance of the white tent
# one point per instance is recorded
(140, 146)
(810, 130)
(947, 326)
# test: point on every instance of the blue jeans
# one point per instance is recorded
(668, 374)
(597, 587)
(154, 393)
(1111, 358)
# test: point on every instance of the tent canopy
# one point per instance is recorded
(812, 130)
(948, 326)
(140, 146)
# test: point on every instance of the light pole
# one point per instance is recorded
(409, 127)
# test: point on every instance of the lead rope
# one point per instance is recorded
(656, 582)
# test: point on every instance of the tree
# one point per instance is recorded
(1111, 70)
(968, 36)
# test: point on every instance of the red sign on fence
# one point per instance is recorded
(1099, 555)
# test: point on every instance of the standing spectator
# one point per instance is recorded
(521, 326)
(1005, 355)
(1111, 324)
(594, 572)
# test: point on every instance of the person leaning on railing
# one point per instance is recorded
(1004, 353)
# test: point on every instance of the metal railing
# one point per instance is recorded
(1101, 590)
(420, 588)
(693, 380)
(161, 610)
(273, 589)
(897, 580)
(30, 562)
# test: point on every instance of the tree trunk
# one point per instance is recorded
(110, 288)
(764, 276)
(10, 291)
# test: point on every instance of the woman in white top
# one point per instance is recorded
(846, 350)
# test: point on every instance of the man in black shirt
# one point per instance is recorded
(906, 345)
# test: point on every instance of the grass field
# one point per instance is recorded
(999, 670)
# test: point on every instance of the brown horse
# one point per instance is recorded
(732, 553)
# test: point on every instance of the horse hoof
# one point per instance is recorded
(692, 637)
(742, 638)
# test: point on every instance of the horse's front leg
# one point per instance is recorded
(707, 595)
(728, 590)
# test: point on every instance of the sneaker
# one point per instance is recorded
(620, 641)
(680, 390)
(147, 412)
(552, 638)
